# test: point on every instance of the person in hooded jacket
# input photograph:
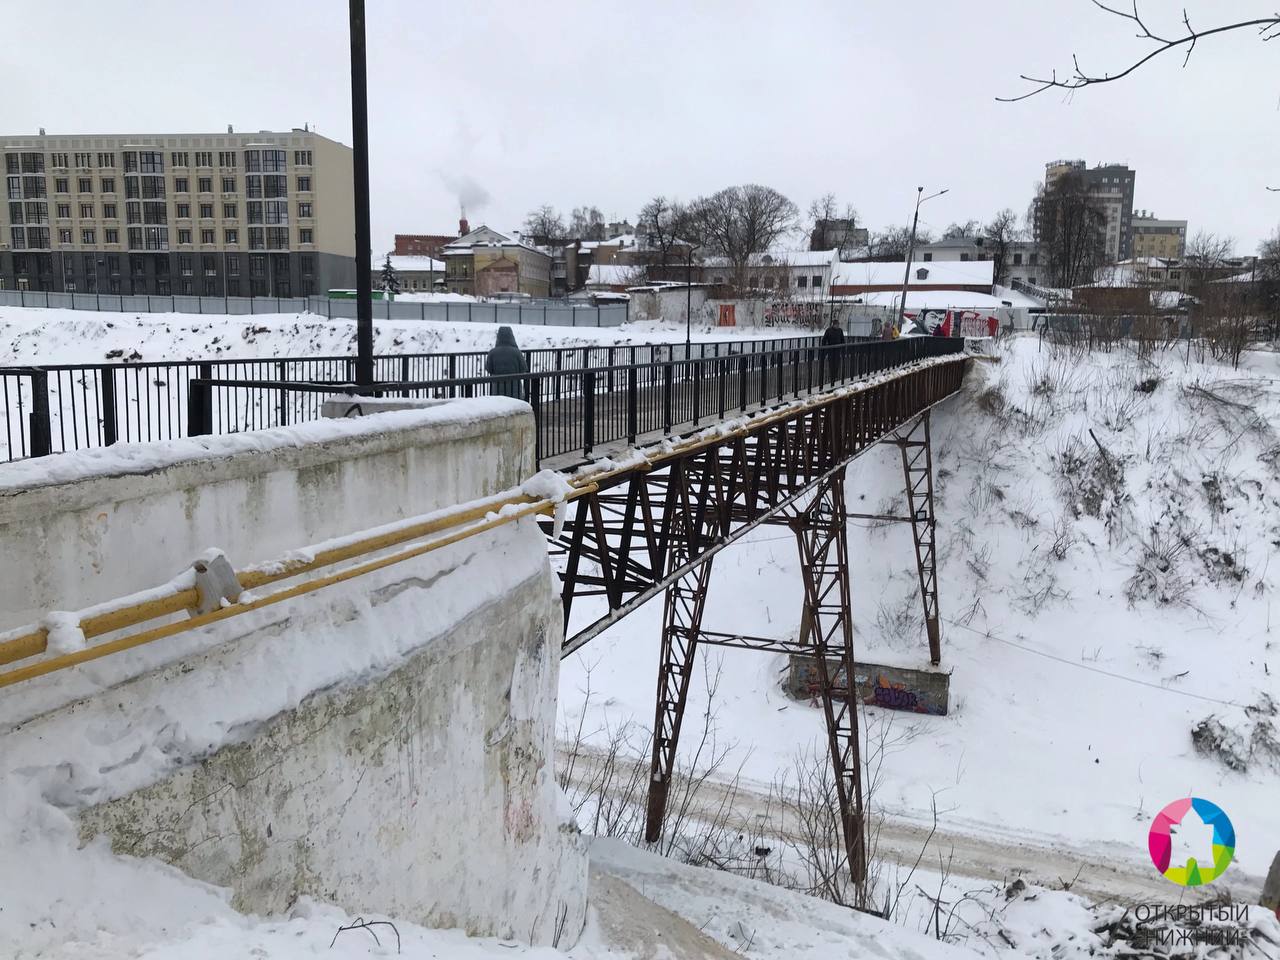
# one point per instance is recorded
(833, 336)
(505, 363)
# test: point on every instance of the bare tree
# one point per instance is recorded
(829, 223)
(544, 225)
(1267, 282)
(587, 223)
(893, 242)
(1070, 226)
(960, 230)
(1267, 28)
(1204, 258)
(739, 221)
(1001, 232)
(660, 223)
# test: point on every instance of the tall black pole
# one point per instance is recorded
(688, 302)
(360, 149)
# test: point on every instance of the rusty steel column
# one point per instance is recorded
(917, 471)
(682, 620)
(822, 535)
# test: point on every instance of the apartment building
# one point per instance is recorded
(234, 214)
(1111, 185)
(485, 263)
(1153, 237)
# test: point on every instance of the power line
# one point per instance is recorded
(1085, 666)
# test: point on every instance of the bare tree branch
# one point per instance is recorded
(1268, 29)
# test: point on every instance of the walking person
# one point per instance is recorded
(504, 363)
(833, 336)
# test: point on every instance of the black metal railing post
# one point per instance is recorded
(535, 401)
(588, 410)
(40, 429)
(107, 406)
(284, 394)
(199, 409)
(633, 396)
(695, 382)
(668, 378)
(742, 383)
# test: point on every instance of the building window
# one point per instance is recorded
(228, 211)
(274, 186)
(108, 211)
(233, 287)
(928, 257)
(58, 160)
(253, 161)
(206, 211)
(964, 256)
(207, 236)
(256, 240)
(184, 265)
(277, 211)
(151, 161)
(258, 266)
(233, 266)
(184, 235)
(305, 235)
(64, 211)
(209, 287)
(304, 184)
(1017, 259)
(113, 284)
(204, 158)
(152, 188)
(181, 185)
(131, 189)
(62, 185)
(302, 158)
(209, 264)
(184, 211)
(227, 158)
(108, 185)
(228, 184)
(158, 237)
(178, 159)
(111, 235)
(106, 159)
(253, 187)
(18, 237)
(86, 211)
(277, 238)
(254, 211)
(163, 287)
(231, 237)
(304, 209)
(206, 184)
(85, 184)
(308, 264)
(273, 161)
(816, 281)
(64, 236)
(84, 160)
(802, 282)
(1031, 261)
(87, 238)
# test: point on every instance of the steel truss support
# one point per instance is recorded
(917, 470)
(822, 535)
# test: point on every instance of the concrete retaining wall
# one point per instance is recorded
(894, 688)
(384, 743)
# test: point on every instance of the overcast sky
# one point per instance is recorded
(514, 104)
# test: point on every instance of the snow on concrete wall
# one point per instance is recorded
(384, 742)
(425, 793)
(81, 528)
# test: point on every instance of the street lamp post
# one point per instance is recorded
(911, 249)
(688, 303)
(360, 157)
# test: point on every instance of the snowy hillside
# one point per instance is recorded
(29, 335)
(1107, 527)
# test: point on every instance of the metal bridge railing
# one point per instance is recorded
(578, 410)
(53, 408)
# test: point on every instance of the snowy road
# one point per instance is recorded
(1096, 872)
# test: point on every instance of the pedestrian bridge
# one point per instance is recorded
(398, 547)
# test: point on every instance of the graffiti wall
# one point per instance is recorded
(893, 688)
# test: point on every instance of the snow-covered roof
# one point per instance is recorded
(962, 273)
(935, 300)
(782, 258)
(410, 263)
(611, 274)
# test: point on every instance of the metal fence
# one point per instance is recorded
(579, 409)
(56, 408)
(551, 313)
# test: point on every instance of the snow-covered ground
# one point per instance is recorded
(1107, 526)
(31, 335)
